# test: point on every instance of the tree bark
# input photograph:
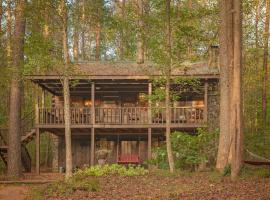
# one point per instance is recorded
(140, 35)
(83, 31)
(257, 19)
(1, 15)
(167, 88)
(265, 63)
(236, 121)
(66, 92)
(225, 36)
(9, 33)
(14, 136)
(98, 41)
(46, 20)
(122, 32)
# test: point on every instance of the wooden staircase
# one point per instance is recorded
(28, 134)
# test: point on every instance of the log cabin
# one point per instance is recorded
(110, 110)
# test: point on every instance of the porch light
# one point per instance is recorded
(87, 103)
(142, 97)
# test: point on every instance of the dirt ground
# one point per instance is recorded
(201, 186)
(12, 192)
(160, 187)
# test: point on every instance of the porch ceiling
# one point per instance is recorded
(83, 87)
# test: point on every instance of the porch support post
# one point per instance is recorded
(43, 98)
(55, 152)
(37, 151)
(117, 148)
(149, 143)
(92, 159)
(205, 109)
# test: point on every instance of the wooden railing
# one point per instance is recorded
(121, 115)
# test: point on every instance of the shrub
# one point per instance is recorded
(73, 184)
(188, 150)
(113, 169)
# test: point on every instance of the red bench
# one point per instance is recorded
(128, 159)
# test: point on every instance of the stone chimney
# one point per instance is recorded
(213, 61)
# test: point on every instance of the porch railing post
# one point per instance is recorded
(149, 144)
(92, 158)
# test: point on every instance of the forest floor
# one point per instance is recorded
(206, 185)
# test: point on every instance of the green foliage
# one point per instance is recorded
(189, 150)
(261, 172)
(227, 170)
(183, 85)
(73, 184)
(113, 169)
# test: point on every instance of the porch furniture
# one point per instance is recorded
(128, 159)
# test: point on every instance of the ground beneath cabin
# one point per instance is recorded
(198, 186)
(161, 186)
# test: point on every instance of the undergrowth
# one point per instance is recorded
(113, 169)
(85, 180)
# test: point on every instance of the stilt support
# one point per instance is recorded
(92, 162)
(37, 151)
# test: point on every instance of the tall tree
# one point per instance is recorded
(236, 121)
(140, 35)
(257, 20)
(168, 85)
(231, 132)
(66, 92)
(225, 37)
(14, 136)
(1, 15)
(9, 31)
(265, 63)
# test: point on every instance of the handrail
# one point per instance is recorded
(122, 115)
(27, 122)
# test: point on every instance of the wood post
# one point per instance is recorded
(139, 147)
(149, 135)
(37, 151)
(43, 98)
(55, 152)
(117, 148)
(205, 110)
(92, 159)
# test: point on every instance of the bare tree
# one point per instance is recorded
(1, 15)
(8, 30)
(140, 39)
(265, 63)
(167, 87)
(66, 92)
(14, 136)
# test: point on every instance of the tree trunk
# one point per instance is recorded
(76, 44)
(66, 92)
(83, 31)
(98, 41)
(1, 15)
(257, 19)
(9, 21)
(140, 40)
(225, 71)
(189, 40)
(265, 63)
(122, 32)
(46, 20)
(167, 88)
(236, 99)
(14, 136)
